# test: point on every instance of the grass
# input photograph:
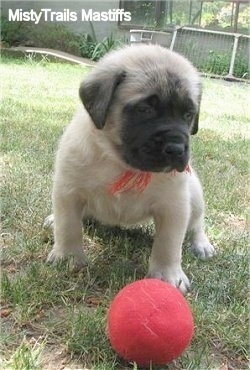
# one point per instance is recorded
(53, 318)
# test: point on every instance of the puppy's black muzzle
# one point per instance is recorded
(158, 151)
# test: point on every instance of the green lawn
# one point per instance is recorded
(53, 318)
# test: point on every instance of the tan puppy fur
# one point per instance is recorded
(93, 153)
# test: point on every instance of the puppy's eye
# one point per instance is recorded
(188, 116)
(145, 109)
(148, 107)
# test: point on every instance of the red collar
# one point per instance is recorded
(130, 180)
(134, 180)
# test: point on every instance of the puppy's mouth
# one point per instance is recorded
(148, 167)
(179, 167)
(171, 157)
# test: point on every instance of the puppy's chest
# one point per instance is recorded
(119, 209)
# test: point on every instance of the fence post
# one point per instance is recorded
(173, 40)
(234, 51)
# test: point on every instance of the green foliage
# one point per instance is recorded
(142, 12)
(84, 326)
(244, 17)
(26, 357)
(46, 35)
(12, 32)
(211, 55)
(210, 12)
(91, 48)
(241, 67)
(59, 37)
(219, 63)
(87, 45)
(55, 36)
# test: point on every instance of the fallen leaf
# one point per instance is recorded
(5, 312)
(95, 301)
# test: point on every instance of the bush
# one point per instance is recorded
(13, 32)
(44, 35)
(56, 36)
(219, 64)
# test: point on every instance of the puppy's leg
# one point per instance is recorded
(200, 244)
(165, 259)
(68, 213)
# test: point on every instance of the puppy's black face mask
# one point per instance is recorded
(155, 133)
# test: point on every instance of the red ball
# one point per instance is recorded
(149, 321)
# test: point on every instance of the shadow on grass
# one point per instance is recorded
(118, 255)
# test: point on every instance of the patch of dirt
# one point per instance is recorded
(54, 357)
(238, 224)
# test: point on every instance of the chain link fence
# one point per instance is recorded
(212, 52)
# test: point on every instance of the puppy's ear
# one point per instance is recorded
(195, 125)
(97, 92)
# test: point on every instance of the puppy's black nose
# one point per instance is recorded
(174, 148)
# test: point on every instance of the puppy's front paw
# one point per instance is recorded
(203, 250)
(175, 277)
(76, 261)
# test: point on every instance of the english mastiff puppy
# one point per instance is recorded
(125, 158)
